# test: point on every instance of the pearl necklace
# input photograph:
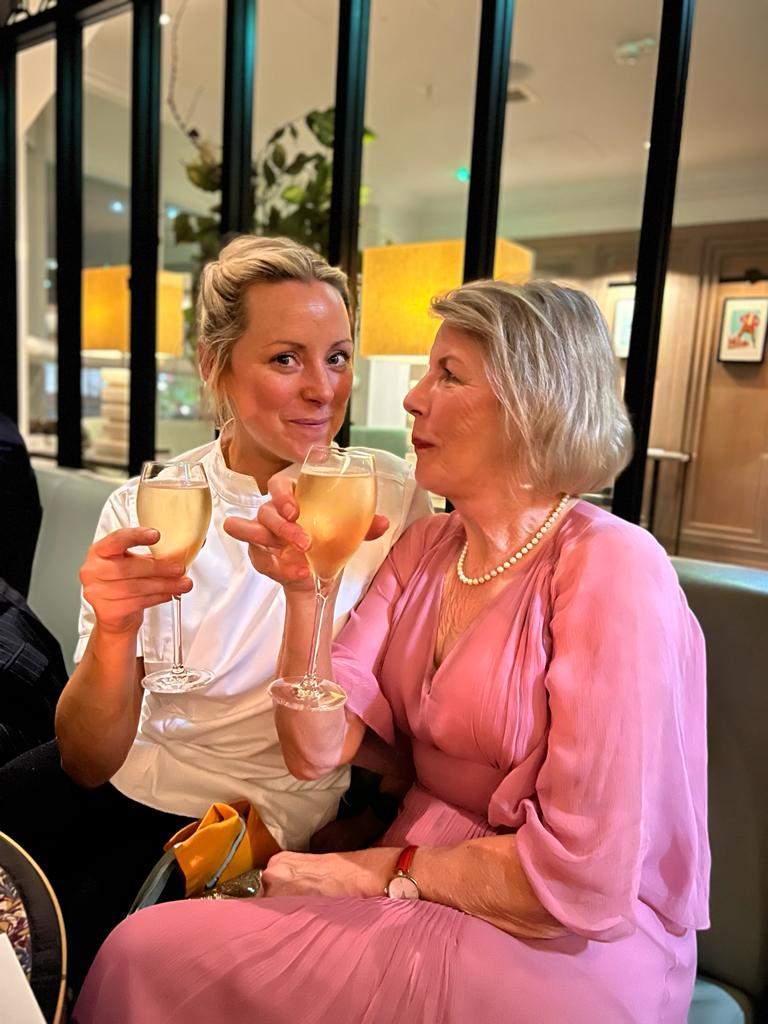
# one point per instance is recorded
(513, 559)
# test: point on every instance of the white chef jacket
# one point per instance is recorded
(220, 742)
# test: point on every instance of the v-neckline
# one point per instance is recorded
(433, 670)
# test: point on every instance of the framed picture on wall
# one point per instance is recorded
(742, 333)
(623, 311)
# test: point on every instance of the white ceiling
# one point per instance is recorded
(582, 136)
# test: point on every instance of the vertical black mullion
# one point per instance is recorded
(351, 69)
(69, 228)
(488, 137)
(351, 64)
(236, 211)
(8, 310)
(653, 250)
(145, 185)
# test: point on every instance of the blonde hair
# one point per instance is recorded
(550, 363)
(221, 310)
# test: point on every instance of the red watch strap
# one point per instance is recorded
(405, 860)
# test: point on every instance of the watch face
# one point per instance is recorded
(402, 888)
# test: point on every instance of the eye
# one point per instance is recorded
(340, 358)
(448, 376)
(284, 359)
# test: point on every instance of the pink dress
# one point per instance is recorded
(572, 713)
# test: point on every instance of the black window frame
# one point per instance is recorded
(64, 22)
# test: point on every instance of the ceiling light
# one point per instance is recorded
(462, 174)
(116, 206)
(647, 144)
(165, 19)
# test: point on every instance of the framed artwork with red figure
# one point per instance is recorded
(742, 333)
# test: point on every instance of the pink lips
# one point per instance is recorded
(311, 424)
(420, 445)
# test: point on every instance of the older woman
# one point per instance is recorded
(551, 862)
(276, 353)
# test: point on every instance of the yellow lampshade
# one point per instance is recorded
(107, 310)
(400, 280)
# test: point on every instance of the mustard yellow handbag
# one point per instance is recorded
(229, 840)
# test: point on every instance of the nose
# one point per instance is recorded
(317, 386)
(415, 402)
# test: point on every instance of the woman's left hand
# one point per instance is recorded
(362, 873)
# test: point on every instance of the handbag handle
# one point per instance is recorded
(232, 851)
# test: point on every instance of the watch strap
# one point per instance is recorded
(405, 860)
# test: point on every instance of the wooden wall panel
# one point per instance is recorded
(717, 412)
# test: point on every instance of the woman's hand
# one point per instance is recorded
(362, 873)
(119, 585)
(276, 542)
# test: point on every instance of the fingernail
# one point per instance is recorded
(186, 583)
(302, 542)
(289, 510)
(151, 532)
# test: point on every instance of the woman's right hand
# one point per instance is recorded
(276, 542)
(119, 584)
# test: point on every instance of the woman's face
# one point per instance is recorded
(458, 429)
(290, 374)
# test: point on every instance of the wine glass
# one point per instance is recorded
(336, 495)
(174, 498)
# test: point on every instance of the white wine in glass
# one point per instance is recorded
(175, 499)
(336, 495)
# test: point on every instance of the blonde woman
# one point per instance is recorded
(276, 353)
(550, 864)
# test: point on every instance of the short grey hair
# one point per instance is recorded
(550, 363)
(221, 311)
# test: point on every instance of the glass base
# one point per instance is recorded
(303, 694)
(168, 681)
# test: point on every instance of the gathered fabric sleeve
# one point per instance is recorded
(623, 645)
(361, 645)
(114, 516)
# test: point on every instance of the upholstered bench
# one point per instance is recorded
(731, 603)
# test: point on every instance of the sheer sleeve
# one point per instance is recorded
(361, 645)
(623, 644)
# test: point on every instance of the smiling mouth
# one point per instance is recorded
(311, 423)
(421, 446)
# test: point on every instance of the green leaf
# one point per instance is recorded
(276, 135)
(298, 163)
(368, 135)
(278, 156)
(273, 221)
(321, 124)
(206, 176)
(269, 175)
(293, 194)
(205, 224)
(182, 228)
(294, 131)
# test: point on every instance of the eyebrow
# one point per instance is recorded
(299, 344)
(441, 362)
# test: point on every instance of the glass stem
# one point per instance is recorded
(178, 658)
(321, 598)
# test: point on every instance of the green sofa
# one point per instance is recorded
(731, 604)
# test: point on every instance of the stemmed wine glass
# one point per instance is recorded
(175, 499)
(336, 495)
